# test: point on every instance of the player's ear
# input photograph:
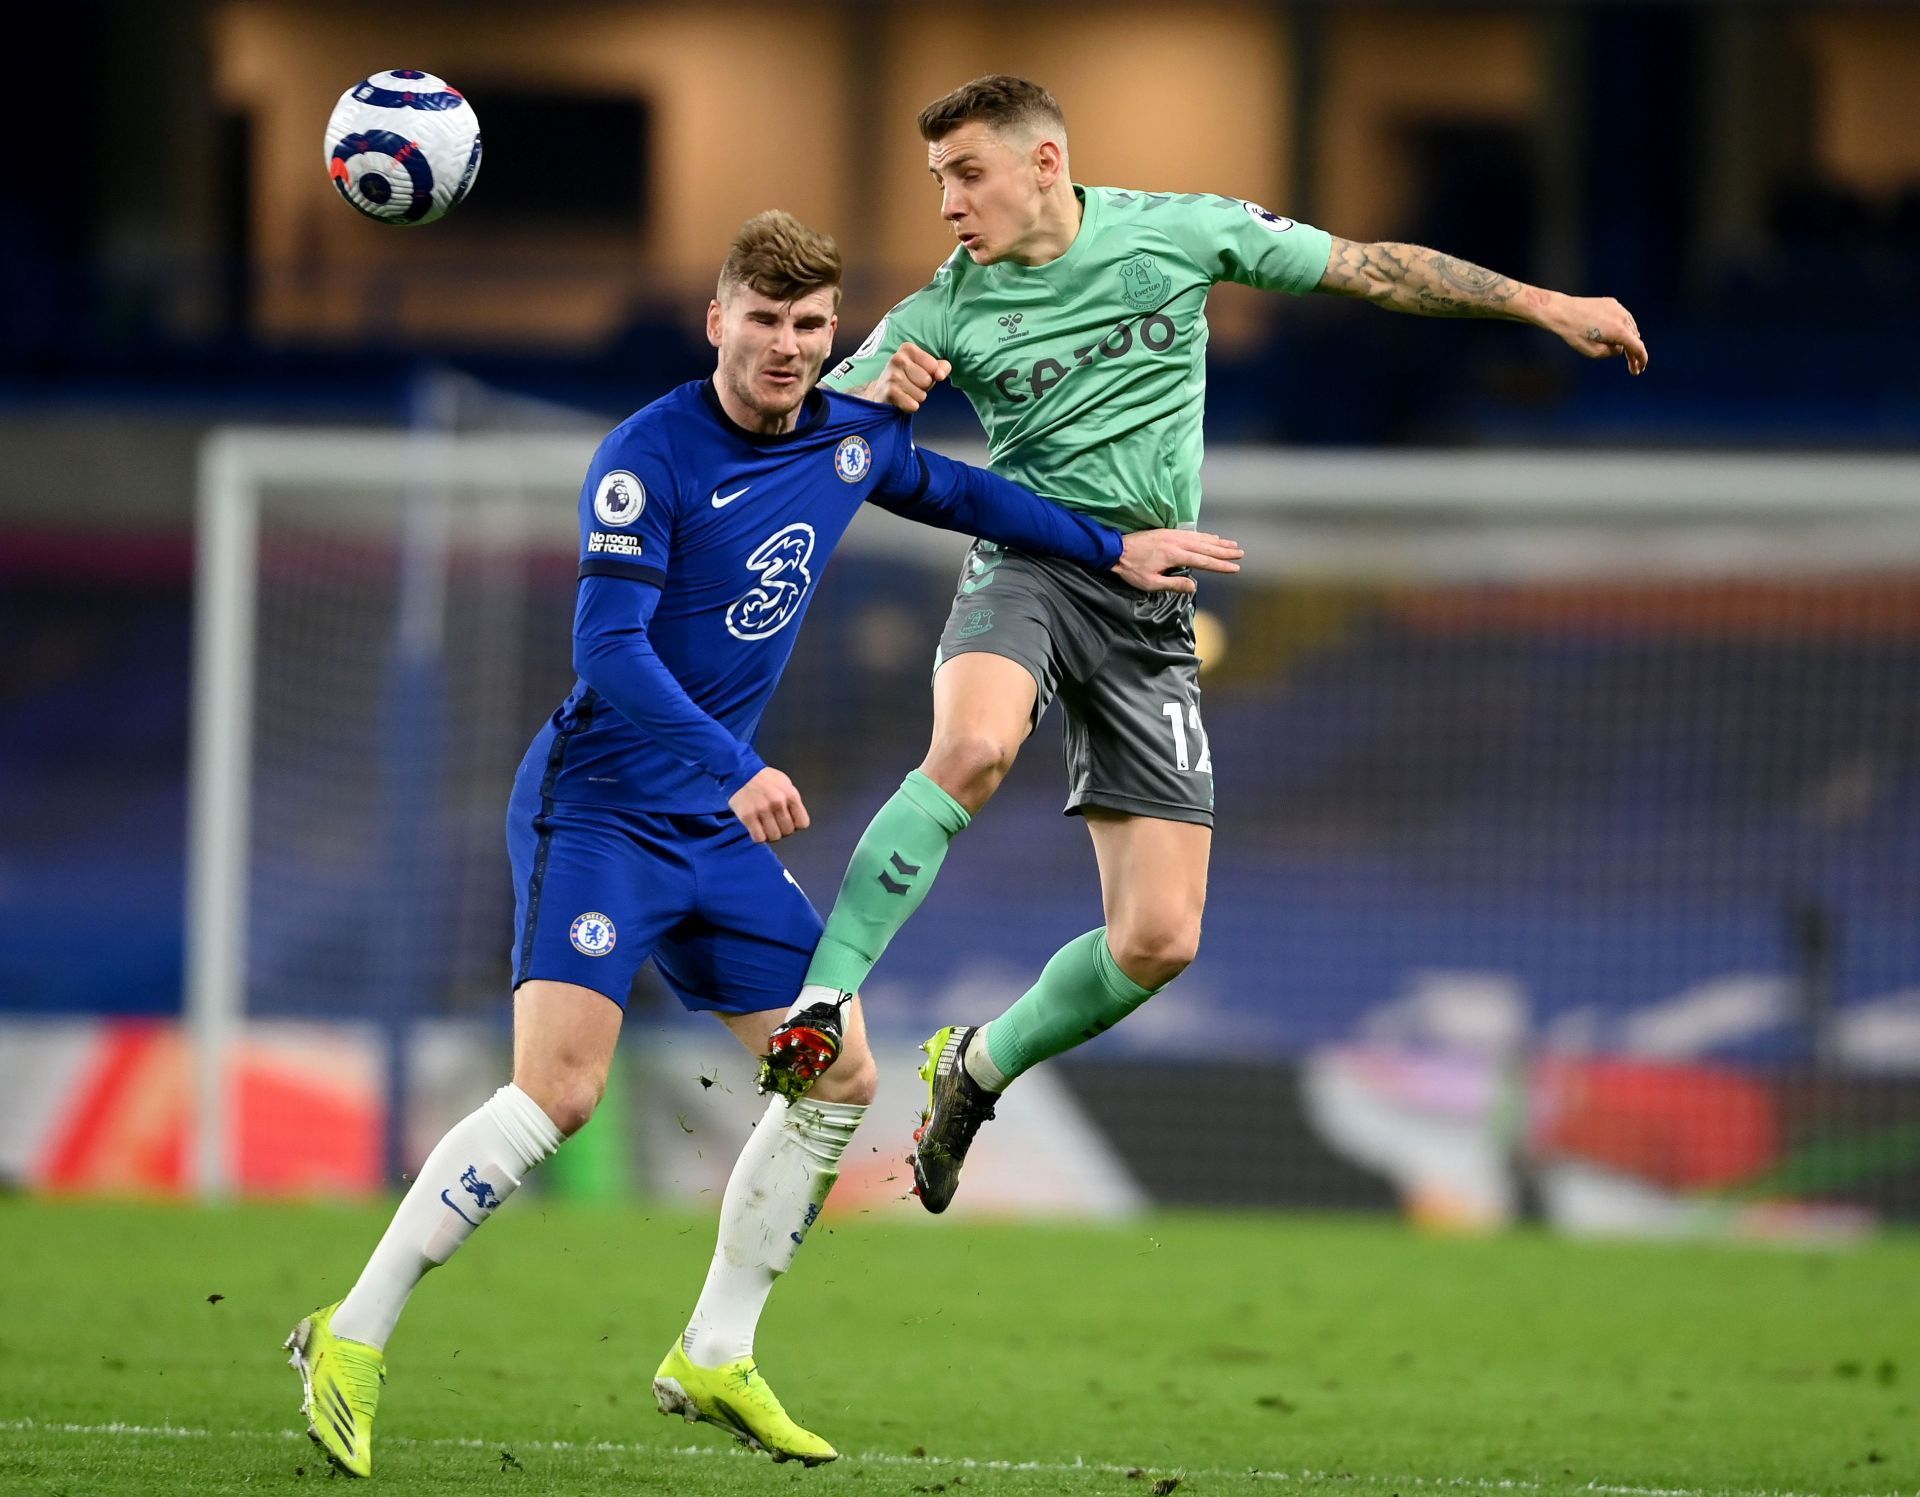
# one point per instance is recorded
(713, 322)
(1049, 160)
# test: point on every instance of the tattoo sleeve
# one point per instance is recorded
(1412, 278)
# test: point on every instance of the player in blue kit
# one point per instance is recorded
(641, 815)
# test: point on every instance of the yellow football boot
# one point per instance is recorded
(736, 1398)
(341, 1381)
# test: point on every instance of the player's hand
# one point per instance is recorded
(1146, 556)
(1599, 327)
(910, 374)
(769, 806)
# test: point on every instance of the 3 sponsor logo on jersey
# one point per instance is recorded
(780, 562)
(593, 934)
(620, 498)
(1272, 222)
(852, 458)
(721, 501)
(599, 542)
(1010, 326)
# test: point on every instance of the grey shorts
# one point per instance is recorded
(1122, 663)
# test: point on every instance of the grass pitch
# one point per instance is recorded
(139, 1352)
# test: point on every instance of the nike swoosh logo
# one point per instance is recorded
(721, 501)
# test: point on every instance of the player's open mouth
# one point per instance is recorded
(968, 241)
(782, 376)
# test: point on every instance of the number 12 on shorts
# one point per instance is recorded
(1183, 716)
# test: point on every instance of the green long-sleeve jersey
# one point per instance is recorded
(1089, 372)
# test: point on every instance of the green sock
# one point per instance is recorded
(1081, 992)
(891, 871)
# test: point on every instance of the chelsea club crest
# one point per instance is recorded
(852, 458)
(592, 934)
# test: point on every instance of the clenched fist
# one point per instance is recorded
(910, 374)
(769, 806)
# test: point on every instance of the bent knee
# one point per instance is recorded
(1154, 955)
(854, 1079)
(970, 766)
(569, 1099)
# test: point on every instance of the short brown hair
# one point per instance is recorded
(781, 258)
(999, 100)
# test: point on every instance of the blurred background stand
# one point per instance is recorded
(1564, 721)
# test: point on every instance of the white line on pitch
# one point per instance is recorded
(888, 1458)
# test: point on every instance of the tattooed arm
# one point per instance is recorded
(1410, 278)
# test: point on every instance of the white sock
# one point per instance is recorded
(814, 992)
(470, 1172)
(979, 1062)
(775, 1192)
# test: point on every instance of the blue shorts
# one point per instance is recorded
(597, 890)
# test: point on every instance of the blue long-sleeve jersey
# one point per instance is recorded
(700, 543)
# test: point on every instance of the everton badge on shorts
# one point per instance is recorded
(852, 458)
(619, 499)
(592, 934)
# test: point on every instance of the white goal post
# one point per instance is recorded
(1431, 516)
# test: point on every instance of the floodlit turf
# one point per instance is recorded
(1327, 1355)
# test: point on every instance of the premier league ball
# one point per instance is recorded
(403, 147)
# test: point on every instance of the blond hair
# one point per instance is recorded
(781, 258)
(1000, 100)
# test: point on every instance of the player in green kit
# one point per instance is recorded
(1074, 320)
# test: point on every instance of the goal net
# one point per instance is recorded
(1601, 772)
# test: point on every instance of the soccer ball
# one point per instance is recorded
(403, 147)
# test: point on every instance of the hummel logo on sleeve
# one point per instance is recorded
(721, 501)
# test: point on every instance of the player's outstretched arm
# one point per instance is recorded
(936, 490)
(1413, 278)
